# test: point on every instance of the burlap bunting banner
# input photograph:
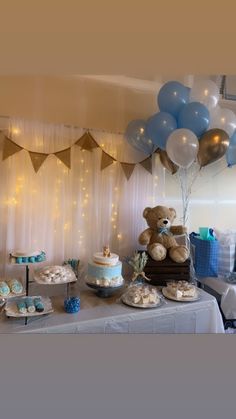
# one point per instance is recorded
(128, 169)
(64, 156)
(147, 164)
(87, 142)
(37, 159)
(10, 148)
(106, 160)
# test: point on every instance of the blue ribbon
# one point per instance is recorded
(164, 230)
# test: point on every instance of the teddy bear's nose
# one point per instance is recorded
(165, 222)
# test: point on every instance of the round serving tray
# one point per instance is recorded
(128, 302)
(104, 292)
(181, 300)
(70, 276)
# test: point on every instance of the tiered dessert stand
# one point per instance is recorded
(26, 265)
(46, 300)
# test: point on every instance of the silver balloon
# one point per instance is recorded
(182, 147)
(224, 119)
(212, 146)
(205, 92)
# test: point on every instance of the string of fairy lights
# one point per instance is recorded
(80, 200)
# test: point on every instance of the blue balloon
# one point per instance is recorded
(194, 116)
(172, 97)
(159, 127)
(231, 151)
(136, 135)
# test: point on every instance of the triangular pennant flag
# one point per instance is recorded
(64, 156)
(106, 160)
(147, 164)
(128, 169)
(87, 142)
(37, 159)
(10, 148)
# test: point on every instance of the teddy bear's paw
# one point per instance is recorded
(179, 254)
(157, 251)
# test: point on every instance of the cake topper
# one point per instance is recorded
(106, 252)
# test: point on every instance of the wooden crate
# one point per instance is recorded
(166, 270)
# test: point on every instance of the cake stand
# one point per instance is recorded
(104, 292)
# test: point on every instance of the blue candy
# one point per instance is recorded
(72, 305)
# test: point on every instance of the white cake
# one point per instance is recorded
(142, 295)
(105, 270)
(100, 259)
(181, 289)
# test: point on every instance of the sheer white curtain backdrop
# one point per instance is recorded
(73, 213)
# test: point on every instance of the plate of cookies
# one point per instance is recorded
(52, 275)
(28, 306)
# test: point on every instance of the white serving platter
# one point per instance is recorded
(11, 309)
(183, 299)
(70, 276)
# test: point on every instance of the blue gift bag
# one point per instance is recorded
(205, 255)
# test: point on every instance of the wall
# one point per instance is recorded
(90, 103)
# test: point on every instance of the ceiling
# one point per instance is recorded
(97, 101)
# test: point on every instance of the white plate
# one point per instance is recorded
(69, 272)
(18, 254)
(12, 310)
(183, 299)
(129, 302)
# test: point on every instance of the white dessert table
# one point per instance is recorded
(225, 294)
(109, 315)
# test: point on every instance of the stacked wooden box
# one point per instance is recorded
(166, 270)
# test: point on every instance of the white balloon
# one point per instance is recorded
(205, 92)
(223, 118)
(182, 147)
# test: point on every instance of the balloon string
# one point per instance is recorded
(187, 177)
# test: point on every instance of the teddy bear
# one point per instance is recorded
(159, 237)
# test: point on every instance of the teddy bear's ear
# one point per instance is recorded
(173, 213)
(146, 211)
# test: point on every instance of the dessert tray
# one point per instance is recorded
(170, 296)
(12, 310)
(142, 296)
(127, 301)
(54, 275)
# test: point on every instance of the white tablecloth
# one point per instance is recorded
(226, 291)
(109, 315)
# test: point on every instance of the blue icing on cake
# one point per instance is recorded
(104, 271)
(105, 276)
